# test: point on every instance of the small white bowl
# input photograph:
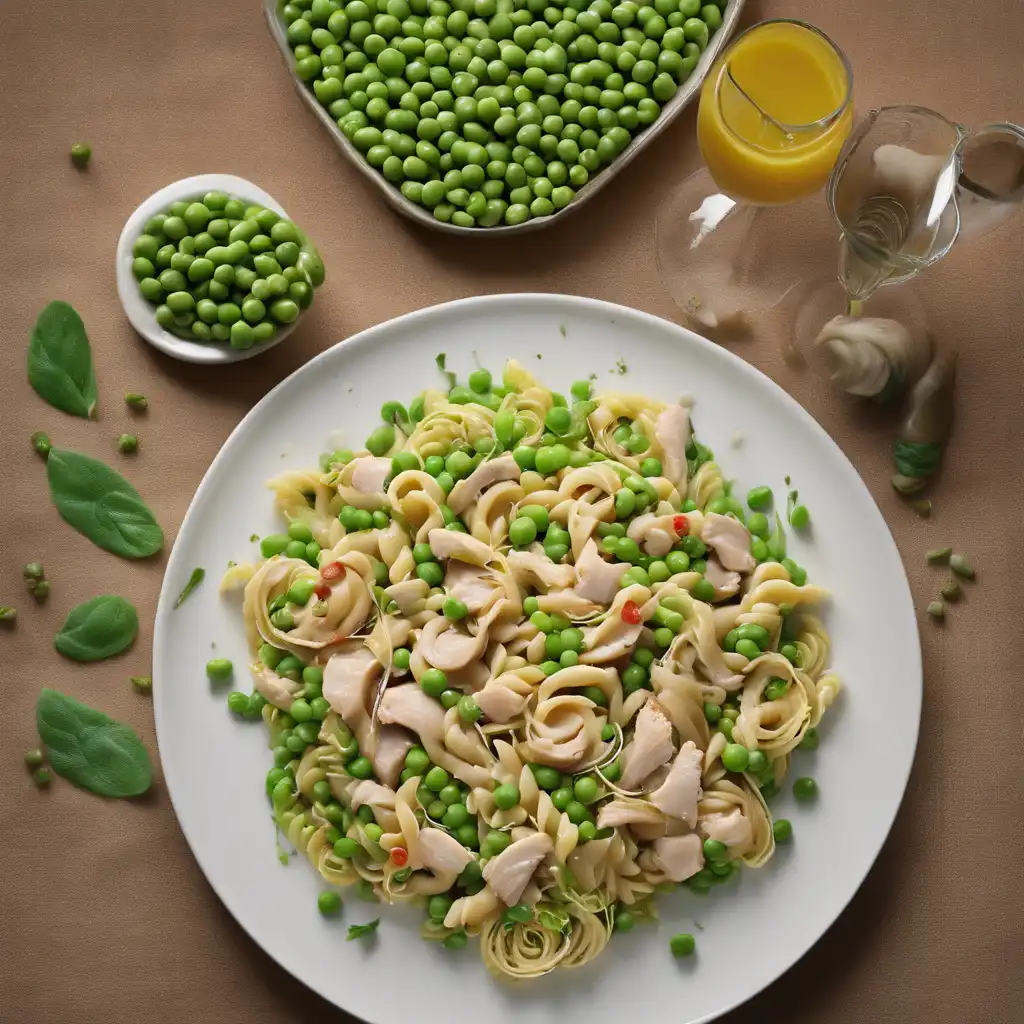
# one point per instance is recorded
(142, 313)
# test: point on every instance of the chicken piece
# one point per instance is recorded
(672, 431)
(655, 534)
(510, 872)
(588, 864)
(409, 595)
(503, 698)
(461, 546)
(567, 603)
(596, 580)
(441, 852)
(409, 706)
(349, 677)
(680, 857)
(677, 796)
(472, 911)
(650, 747)
(529, 567)
(388, 758)
(730, 540)
(369, 474)
(448, 648)
(473, 586)
(732, 828)
(625, 811)
(613, 636)
(726, 582)
(582, 525)
(273, 688)
(488, 473)
(373, 794)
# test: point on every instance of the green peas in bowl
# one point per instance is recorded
(210, 270)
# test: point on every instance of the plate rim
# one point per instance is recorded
(554, 301)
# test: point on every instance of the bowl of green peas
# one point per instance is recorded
(211, 270)
(498, 114)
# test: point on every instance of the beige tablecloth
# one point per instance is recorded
(104, 915)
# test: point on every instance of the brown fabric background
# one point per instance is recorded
(104, 915)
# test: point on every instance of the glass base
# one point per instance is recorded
(811, 306)
(722, 261)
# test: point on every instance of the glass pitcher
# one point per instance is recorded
(908, 184)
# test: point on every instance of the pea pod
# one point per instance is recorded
(929, 418)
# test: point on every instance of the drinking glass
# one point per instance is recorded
(774, 113)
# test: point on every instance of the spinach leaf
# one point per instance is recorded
(917, 459)
(359, 931)
(98, 629)
(100, 503)
(197, 577)
(60, 361)
(91, 750)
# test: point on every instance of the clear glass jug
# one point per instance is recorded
(907, 185)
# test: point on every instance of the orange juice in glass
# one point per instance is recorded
(774, 113)
(775, 110)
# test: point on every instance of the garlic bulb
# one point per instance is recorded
(869, 356)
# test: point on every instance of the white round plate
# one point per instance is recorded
(141, 313)
(215, 765)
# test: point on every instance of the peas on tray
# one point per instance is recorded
(489, 112)
(218, 269)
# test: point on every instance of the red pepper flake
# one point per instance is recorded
(681, 525)
(399, 856)
(631, 613)
(322, 591)
(334, 571)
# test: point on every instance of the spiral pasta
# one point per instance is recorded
(528, 685)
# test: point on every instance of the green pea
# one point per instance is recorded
(748, 649)
(506, 796)
(381, 441)
(624, 921)
(799, 517)
(735, 757)
(586, 790)
(417, 760)
(811, 739)
(522, 531)
(782, 830)
(346, 848)
(359, 768)
(805, 788)
(561, 798)
(219, 670)
(625, 503)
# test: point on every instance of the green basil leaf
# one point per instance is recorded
(358, 931)
(98, 629)
(917, 459)
(60, 361)
(554, 918)
(91, 750)
(100, 503)
(197, 577)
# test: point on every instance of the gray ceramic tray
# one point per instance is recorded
(687, 92)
